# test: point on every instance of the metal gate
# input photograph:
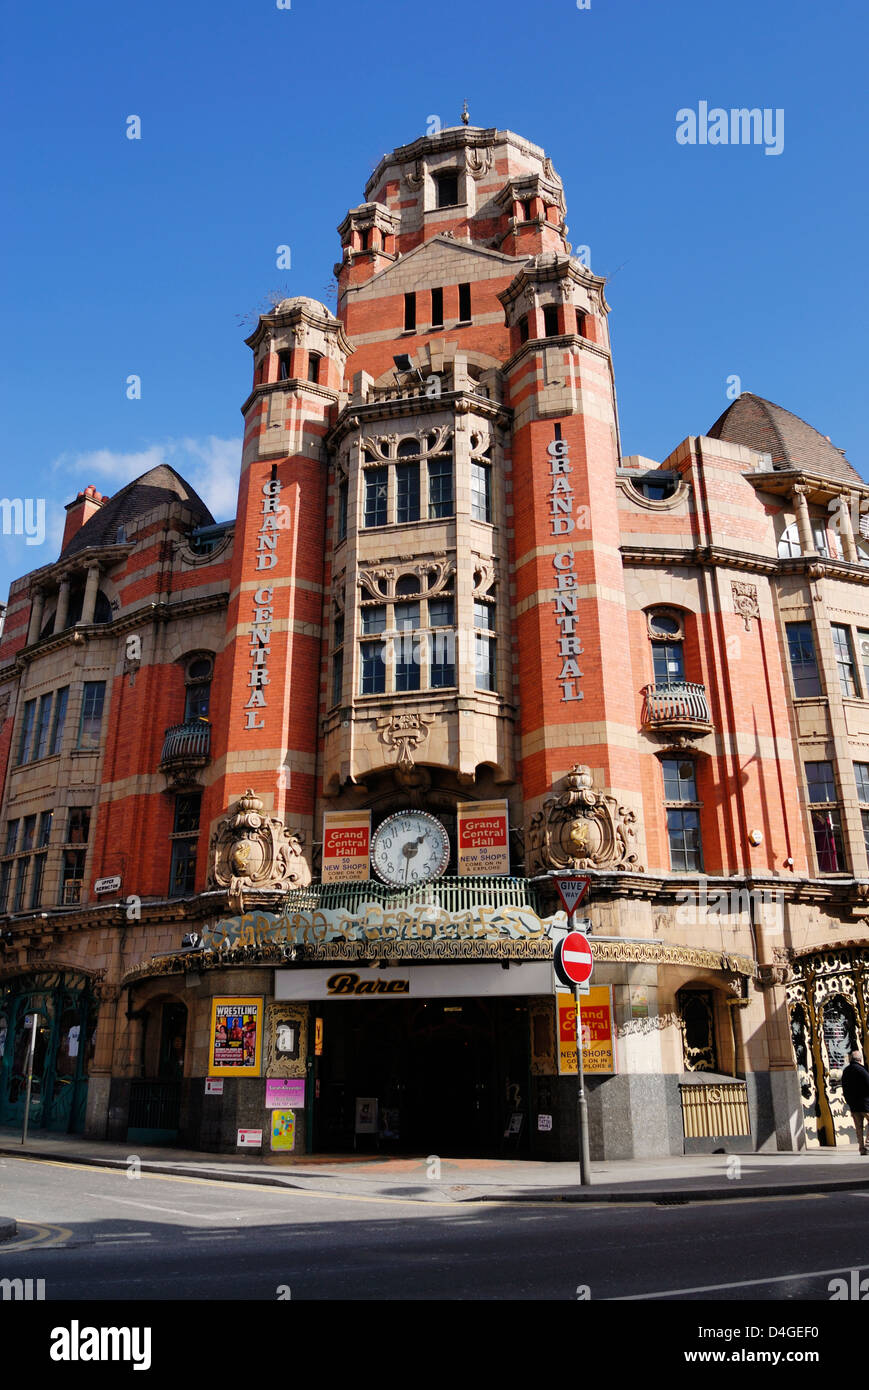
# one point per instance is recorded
(65, 1034)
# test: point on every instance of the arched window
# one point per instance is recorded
(198, 693)
(697, 1022)
(102, 609)
(789, 544)
(667, 634)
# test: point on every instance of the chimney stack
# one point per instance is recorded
(85, 506)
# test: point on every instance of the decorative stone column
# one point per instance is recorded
(37, 604)
(846, 529)
(90, 596)
(62, 613)
(804, 525)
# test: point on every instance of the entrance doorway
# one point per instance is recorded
(66, 1015)
(448, 1077)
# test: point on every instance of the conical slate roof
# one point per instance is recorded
(769, 428)
(155, 488)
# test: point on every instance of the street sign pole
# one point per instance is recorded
(581, 1103)
(30, 1056)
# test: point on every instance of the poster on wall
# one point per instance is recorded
(285, 1094)
(482, 834)
(283, 1130)
(235, 1047)
(598, 1048)
(346, 846)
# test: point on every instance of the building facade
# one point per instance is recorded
(284, 797)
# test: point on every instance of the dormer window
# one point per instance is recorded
(656, 487)
(447, 190)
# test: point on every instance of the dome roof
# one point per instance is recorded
(790, 441)
(155, 488)
(302, 301)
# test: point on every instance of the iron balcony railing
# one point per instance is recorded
(454, 895)
(675, 702)
(186, 741)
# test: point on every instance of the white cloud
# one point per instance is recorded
(209, 465)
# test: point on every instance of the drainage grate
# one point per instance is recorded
(672, 1202)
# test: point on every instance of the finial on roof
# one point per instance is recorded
(466, 115)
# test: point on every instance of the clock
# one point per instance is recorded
(409, 847)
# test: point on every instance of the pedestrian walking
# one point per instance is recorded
(855, 1088)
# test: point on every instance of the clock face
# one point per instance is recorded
(410, 847)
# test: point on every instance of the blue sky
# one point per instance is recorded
(259, 128)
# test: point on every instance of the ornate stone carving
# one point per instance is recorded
(745, 602)
(478, 162)
(382, 447)
(583, 829)
(404, 733)
(286, 1023)
(484, 576)
(250, 852)
(770, 975)
(5, 702)
(433, 575)
(415, 174)
(371, 580)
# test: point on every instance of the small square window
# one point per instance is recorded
(11, 836)
(820, 781)
(78, 825)
(683, 829)
(376, 484)
(441, 612)
(440, 488)
(373, 620)
(447, 189)
(187, 807)
(680, 779)
(804, 665)
(372, 673)
(91, 714)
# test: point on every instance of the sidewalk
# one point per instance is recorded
(707, 1177)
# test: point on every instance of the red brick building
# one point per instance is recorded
(283, 797)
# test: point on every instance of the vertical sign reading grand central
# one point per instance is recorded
(263, 609)
(562, 521)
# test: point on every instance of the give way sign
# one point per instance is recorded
(573, 959)
(572, 891)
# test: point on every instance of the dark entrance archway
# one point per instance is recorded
(447, 1076)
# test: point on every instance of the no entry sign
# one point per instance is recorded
(572, 891)
(574, 961)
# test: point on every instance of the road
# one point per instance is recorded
(95, 1234)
